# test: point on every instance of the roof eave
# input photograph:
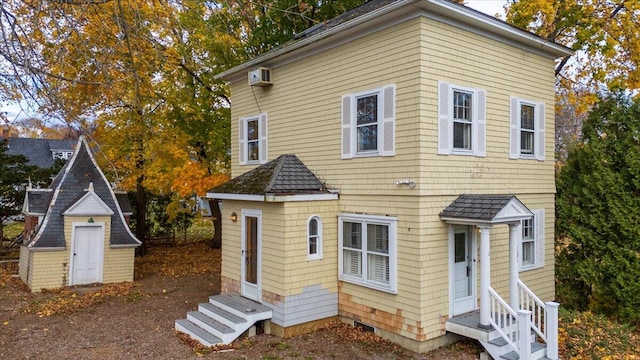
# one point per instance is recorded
(313, 38)
(462, 14)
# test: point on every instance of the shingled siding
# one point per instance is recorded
(304, 112)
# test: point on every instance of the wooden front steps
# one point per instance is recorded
(467, 325)
(223, 319)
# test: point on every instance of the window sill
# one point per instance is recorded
(366, 154)
(462, 152)
(314, 257)
(530, 267)
(371, 285)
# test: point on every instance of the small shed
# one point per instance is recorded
(75, 231)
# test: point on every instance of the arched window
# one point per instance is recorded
(314, 238)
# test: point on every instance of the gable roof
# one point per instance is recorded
(283, 176)
(485, 209)
(381, 13)
(39, 151)
(69, 188)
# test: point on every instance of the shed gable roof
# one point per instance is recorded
(90, 204)
(67, 189)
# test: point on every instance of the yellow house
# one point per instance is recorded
(394, 167)
(76, 231)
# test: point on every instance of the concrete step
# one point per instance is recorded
(197, 333)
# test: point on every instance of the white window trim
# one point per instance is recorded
(243, 155)
(445, 120)
(538, 230)
(386, 123)
(318, 254)
(389, 221)
(515, 151)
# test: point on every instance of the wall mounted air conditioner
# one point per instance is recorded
(260, 77)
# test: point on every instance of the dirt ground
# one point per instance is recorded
(136, 320)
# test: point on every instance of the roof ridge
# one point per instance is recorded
(280, 160)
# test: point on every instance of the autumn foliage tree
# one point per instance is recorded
(142, 74)
(604, 34)
(598, 214)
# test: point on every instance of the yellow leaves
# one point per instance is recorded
(65, 301)
(5, 323)
(178, 261)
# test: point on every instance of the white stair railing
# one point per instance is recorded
(544, 318)
(503, 319)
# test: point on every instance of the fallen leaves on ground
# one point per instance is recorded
(584, 335)
(178, 261)
(7, 273)
(66, 301)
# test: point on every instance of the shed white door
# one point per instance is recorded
(87, 255)
(463, 271)
(251, 254)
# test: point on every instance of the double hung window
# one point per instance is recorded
(368, 251)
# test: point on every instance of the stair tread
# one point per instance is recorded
(199, 332)
(535, 346)
(239, 303)
(213, 323)
(223, 313)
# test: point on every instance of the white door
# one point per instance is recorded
(251, 254)
(86, 257)
(463, 284)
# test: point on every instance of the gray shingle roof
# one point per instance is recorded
(476, 206)
(38, 151)
(68, 186)
(282, 176)
(38, 201)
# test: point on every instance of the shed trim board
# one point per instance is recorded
(75, 255)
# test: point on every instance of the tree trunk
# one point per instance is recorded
(216, 242)
(141, 216)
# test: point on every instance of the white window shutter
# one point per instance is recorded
(480, 125)
(388, 120)
(445, 124)
(263, 138)
(539, 234)
(539, 136)
(242, 141)
(514, 130)
(347, 148)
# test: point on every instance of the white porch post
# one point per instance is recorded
(515, 237)
(485, 275)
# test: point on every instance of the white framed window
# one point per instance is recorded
(314, 238)
(253, 139)
(461, 120)
(532, 245)
(368, 123)
(367, 251)
(526, 137)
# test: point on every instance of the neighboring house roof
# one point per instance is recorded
(380, 13)
(39, 151)
(283, 176)
(79, 178)
(482, 208)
